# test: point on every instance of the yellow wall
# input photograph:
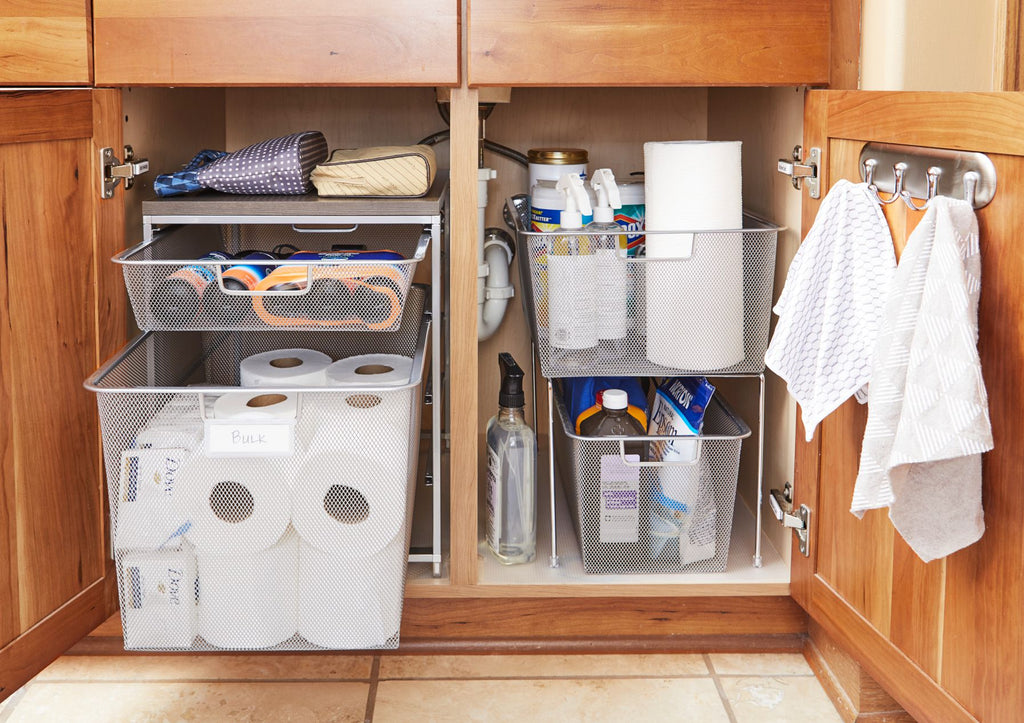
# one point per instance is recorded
(932, 44)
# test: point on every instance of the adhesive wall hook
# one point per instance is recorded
(933, 184)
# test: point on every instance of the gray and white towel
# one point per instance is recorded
(928, 420)
(831, 305)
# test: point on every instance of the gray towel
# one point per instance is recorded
(928, 420)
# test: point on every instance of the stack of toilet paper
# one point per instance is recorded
(259, 549)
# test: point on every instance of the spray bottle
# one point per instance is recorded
(572, 267)
(612, 271)
(511, 472)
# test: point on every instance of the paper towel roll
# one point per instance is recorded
(367, 423)
(152, 507)
(352, 603)
(158, 599)
(237, 505)
(299, 367)
(370, 370)
(255, 405)
(248, 601)
(694, 306)
(350, 505)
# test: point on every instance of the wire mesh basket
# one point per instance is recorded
(261, 518)
(613, 498)
(171, 287)
(596, 313)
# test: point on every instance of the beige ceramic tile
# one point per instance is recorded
(564, 701)
(792, 699)
(761, 664)
(540, 666)
(187, 702)
(208, 667)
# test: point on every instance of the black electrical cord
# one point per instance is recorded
(442, 136)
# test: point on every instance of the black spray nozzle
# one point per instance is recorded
(511, 394)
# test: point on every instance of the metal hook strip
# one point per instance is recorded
(928, 172)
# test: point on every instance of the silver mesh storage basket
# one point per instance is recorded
(171, 288)
(614, 514)
(709, 312)
(274, 517)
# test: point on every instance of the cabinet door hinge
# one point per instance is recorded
(112, 170)
(782, 506)
(803, 170)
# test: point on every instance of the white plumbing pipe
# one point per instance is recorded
(498, 257)
(494, 256)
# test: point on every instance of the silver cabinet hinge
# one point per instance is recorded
(112, 171)
(800, 170)
(781, 503)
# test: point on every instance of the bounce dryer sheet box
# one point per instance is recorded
(378, 171)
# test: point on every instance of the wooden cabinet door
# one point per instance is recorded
(61, 313)
(44, 42)
(676, 42)
(946, 638)
(266, 42)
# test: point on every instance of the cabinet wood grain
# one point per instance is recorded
(53, 562)
(946, 638)
(669, 42)
(45, 42)
(261, 42)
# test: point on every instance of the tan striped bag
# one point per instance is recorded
(378, 171)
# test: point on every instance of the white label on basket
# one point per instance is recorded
(228, 438)
(620, 499)
(493, 498)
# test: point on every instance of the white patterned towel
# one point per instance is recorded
(928, 419)
(832, 303)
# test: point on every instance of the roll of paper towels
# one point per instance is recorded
(158, 599)
(237, 505)
(366, 423)
(377, 370)
(695, 303)
(249, 601)
(352, 604)
(152, 508)
(352, 516)
(285, 367)
(350, 505)
(255, 406)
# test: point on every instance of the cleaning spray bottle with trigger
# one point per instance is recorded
(572, 314)
(511, 472)
(612, 271)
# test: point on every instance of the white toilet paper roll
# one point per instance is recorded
(300, 367)
(694, 306)
(158, 599)
(248, 601)
(152, 508)
(255, 405)
(237, 505)
(376, 370)
(352, 603)
(350, 505)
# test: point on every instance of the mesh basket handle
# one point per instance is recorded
(662, 463)
(340, 229)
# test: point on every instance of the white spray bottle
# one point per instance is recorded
(572, 315)
(612, 270)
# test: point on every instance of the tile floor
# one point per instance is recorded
(302, 688)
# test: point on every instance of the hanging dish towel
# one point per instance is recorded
(928, 419)
(832, 302)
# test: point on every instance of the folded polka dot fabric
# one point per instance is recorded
(279, 166)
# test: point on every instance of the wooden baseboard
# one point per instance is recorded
(45, 641)
(575, 625)
(856, 695)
